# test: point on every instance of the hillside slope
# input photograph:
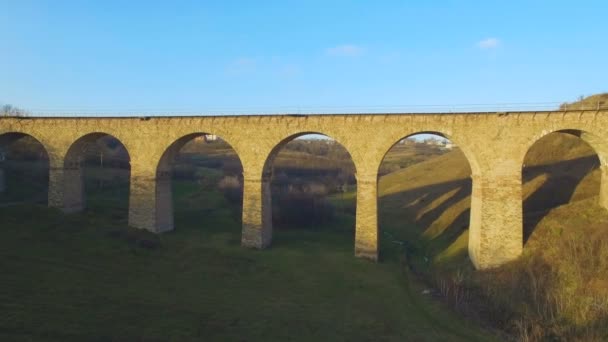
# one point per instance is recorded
(597, 101)
(434, 196)
(566, 233)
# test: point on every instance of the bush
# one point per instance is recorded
(557, 291)
(184, 172)
(232, 188)
(301, 209)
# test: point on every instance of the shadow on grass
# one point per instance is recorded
(403, 224)
(449, 218)
(563, 179)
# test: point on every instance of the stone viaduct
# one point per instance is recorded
(495, 145)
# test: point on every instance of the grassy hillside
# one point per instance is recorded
(410, 152)
(88, 277)
(597, 101)
(565, 247)
(443, 168)
(433, 194)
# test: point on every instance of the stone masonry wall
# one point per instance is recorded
(495, 145)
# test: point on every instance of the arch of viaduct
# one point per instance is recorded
(495, 145)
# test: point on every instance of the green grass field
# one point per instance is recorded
(87, 277)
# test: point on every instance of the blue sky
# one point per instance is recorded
(286, 56)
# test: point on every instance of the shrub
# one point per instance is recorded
(557, 291)
(301, 209)
(232, 188)
(184, 172)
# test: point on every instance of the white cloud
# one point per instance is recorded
(346, 50)
(241, 66)
(488, 43)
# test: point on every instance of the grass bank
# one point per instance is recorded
(87, 277)
(558, 288)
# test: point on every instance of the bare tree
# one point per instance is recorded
(10, 110)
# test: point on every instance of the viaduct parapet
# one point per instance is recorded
(494, 144)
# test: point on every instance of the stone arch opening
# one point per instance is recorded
(24, 169)
(202, 174)
(425, 188)
(96, 175)
(311, 189)
(560, 168)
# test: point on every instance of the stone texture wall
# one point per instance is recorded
(257, 214)
(495, 145)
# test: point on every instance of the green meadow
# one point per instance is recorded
(88, 277)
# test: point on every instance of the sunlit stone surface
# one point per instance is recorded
(494, 143)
